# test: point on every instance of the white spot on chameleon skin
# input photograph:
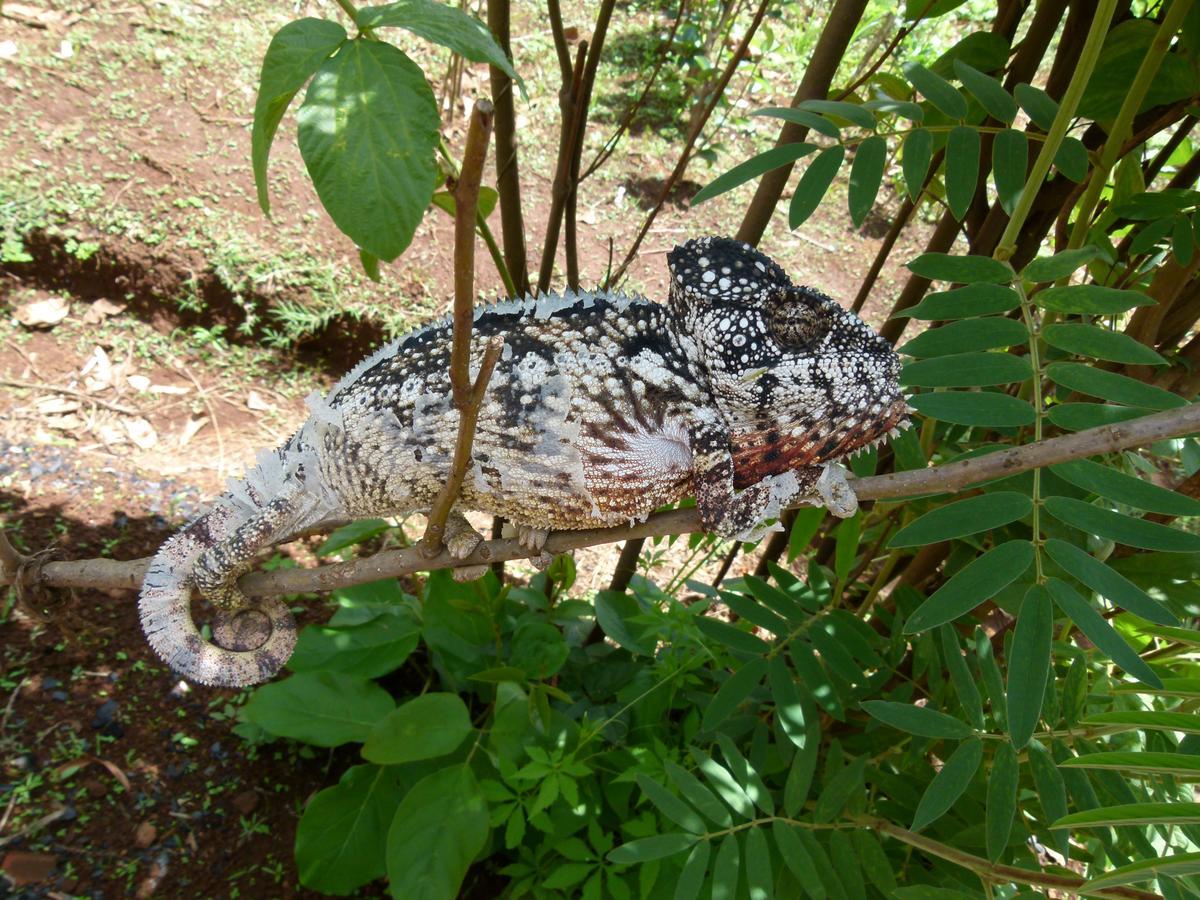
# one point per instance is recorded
(724, 283)
(703, 262)
(709, 276)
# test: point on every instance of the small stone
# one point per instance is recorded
(245, 802)
(141, 432)
(106, 714)
(145, 835)
(24, 867)
(95, 788)
(60, 696)
(217, 751)
(138, 382)
(49, 684)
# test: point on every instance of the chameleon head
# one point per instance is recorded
(799, 379)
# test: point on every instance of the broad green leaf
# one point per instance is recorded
(851, 112)
(752, 168)
(814, 183)
(813, 676)
(1092, 340)
(1074, 695)
(732, 637)
(1010, 161)
(342, 834)
(724, 783)
(960, 675)
(1175, 865)
(1155, 720)
(1060, 265)
(758, 614)
(616, 612)
(733, 692)
(840, 789)
(800, 773)
(745, 775)
(964, 302)
(989, 671)
(965, 269)
(847, 536)
(975, 408)
(1112, 387)
(812, 120)
(1038, 105)
(1121, 528)
(442, 24)
(1090, 300)
(919, 720)
(484, 205)
(648, 848)
(351, 534)
(846, 863)
(1029, 664)
(759, 878)
(698, 795)
(1100, 633)
(424, 727)
(368, 129)
(691, 878)
(1178, 813)
(1188, 636)
(1125, 48)
(970, 516)
(874, 861)
(926, 10)
(902, 108)
(976, 582)
(948, 785)
(295, 53)
(1180, 688)
(725, 869)
(969, 334)
(371, 649)
(825, 871)
(962, 168)
(1001, 799)
(1108, 583)
(1072, 159)
(794, 855)
(985, 50)
(988, 91)
(980, 369)
(866, 174)
(321, 708)
(803, 529)
(795, 711)
(915, 155)
(1080, 416)
(791, 605)
(439, 828)
(937, 90)
(1142, 762)
(1051, 790)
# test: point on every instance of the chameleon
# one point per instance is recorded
(743, 390)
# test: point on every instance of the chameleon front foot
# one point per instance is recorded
(461, 540)
(835, 493)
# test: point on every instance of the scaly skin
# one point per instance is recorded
(601, 409)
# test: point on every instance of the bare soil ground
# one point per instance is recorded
(189, 328)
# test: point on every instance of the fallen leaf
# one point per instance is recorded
(97, 372)
(101, 310)
(44, 313)
(255, 401)
(110, 433)
(8, 49)
(138, 382)
(145, 835)
(189, 430)
(141, 432)
(172, 389)
(116, 773)
(65, 50)
(64, 423)
(56, 405)
(245, 802)
(24, 867)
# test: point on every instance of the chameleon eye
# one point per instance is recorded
(796, 321)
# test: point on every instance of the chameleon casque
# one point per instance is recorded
(742, 390)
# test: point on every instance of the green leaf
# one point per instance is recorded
(368, 129)
(803, 528)
(321, 708)
(1107, 582)
(1177, 813)
(746, 775)
(1038, 105)
(851, 112)
(670, 805)
(698, 795)
(725, 869)
(1155, 720)
(977, 581)
(1180, 688)
(1090, 300)
(733, 638)
(439, 828)
(1029, 664)
(840, 790)
(1051, 790)
(966, 269)
(811, 120)
(484, 205)
(1125, 47)
(539, 649)
(752, 168)
(975, 408)
(1142, 762)
(295, 53)
(937, 90)
(1001, 799)
(969, 334)
(866, 174)
(794, 710)
(759, 878)
(847, 536)
(794, 854)
(724, 783)
(442, 24)
(691, 879)
(342, 834)
(368, 650)
(979, 369)
(648, 848)
(915, 155)
(962, 168)
(874, 861)
(949, 784)
(989, 671)
(349, 535)
(733, 692)
(964, 302)
(918, 720)
(988, 91)
(970, 516)
(1100, 633)
(902, 108)
(424, 727)
(960, 675)
(1072, 159)
(1092, 340)
(1010, 161)
(1060, 265)
(1121, 528)
(1079, 416)
(1112, 387)
(1175, 865)
(615, 614)
(815, 181)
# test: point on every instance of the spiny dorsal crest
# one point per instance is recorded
(718, 270)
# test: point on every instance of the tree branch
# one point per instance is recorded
(108, 574)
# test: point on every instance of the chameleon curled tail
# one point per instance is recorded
(250, 643)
